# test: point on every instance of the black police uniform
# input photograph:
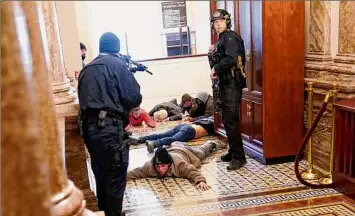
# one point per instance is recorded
(106, 84)
(230, 88)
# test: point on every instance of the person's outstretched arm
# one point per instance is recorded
(147, 119)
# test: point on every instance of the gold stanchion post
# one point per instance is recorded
(308, 174)
(328, 179)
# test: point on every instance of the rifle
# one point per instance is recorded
(213, 58)
(138, 67)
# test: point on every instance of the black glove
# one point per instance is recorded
(140, 67)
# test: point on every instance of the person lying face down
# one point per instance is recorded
(160, 116)
(138, 115)
(201, 107)
(181, 132)
(174, 112)
(180, 160)
(186, 103)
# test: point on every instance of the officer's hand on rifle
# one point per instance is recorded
(213, 74)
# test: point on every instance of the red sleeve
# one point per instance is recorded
(146, 118)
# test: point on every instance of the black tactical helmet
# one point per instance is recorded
(221, 14)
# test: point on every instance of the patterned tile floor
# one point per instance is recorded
(341, 208)
(241, 192)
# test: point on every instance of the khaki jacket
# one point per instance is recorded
(185, 165)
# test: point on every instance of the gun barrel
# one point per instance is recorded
(148, 71)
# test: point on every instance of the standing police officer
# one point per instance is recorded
(107, 91)
(227, 51)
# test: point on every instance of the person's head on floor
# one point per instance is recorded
(82, 51)
(186, 100)
(136, 112)
(109, 43)
(160, 115)
(221, 21)
(201, 100)
(162, 161)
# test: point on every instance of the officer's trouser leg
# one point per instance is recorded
(232, 127)
(116, 185)
(110, 174)
(231, 96)
(100, 179)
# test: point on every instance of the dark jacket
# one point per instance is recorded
(107, 84)
(174, 111)
(229, 47)
(204, 109)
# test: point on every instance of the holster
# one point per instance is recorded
(101, 120)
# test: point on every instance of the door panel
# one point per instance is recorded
(245, 121)
(256, 14)
(245, 32)
(257, 122)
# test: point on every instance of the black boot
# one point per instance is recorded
(140, 140)
(236, 164)
(226, 157)
(150, 146)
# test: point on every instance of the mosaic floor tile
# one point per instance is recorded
(254, 178)
(220, 206)
(255, 185)
(334, 209)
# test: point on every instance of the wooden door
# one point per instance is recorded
(244, 25)
(256, 73)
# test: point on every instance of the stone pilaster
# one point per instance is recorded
(66, 101)
(319, 32)
(342, 71)
(63, 90)
(324, 73)
(66, 199)
(346, 47)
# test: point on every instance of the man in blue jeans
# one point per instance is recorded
(182, 132)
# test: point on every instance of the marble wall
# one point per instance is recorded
(330, 59)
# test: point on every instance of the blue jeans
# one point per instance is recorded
(182, 133)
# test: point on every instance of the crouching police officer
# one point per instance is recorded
(227, 58)
(107, 91)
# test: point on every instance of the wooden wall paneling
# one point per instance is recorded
(283, 62)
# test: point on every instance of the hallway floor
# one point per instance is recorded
(255, 189)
